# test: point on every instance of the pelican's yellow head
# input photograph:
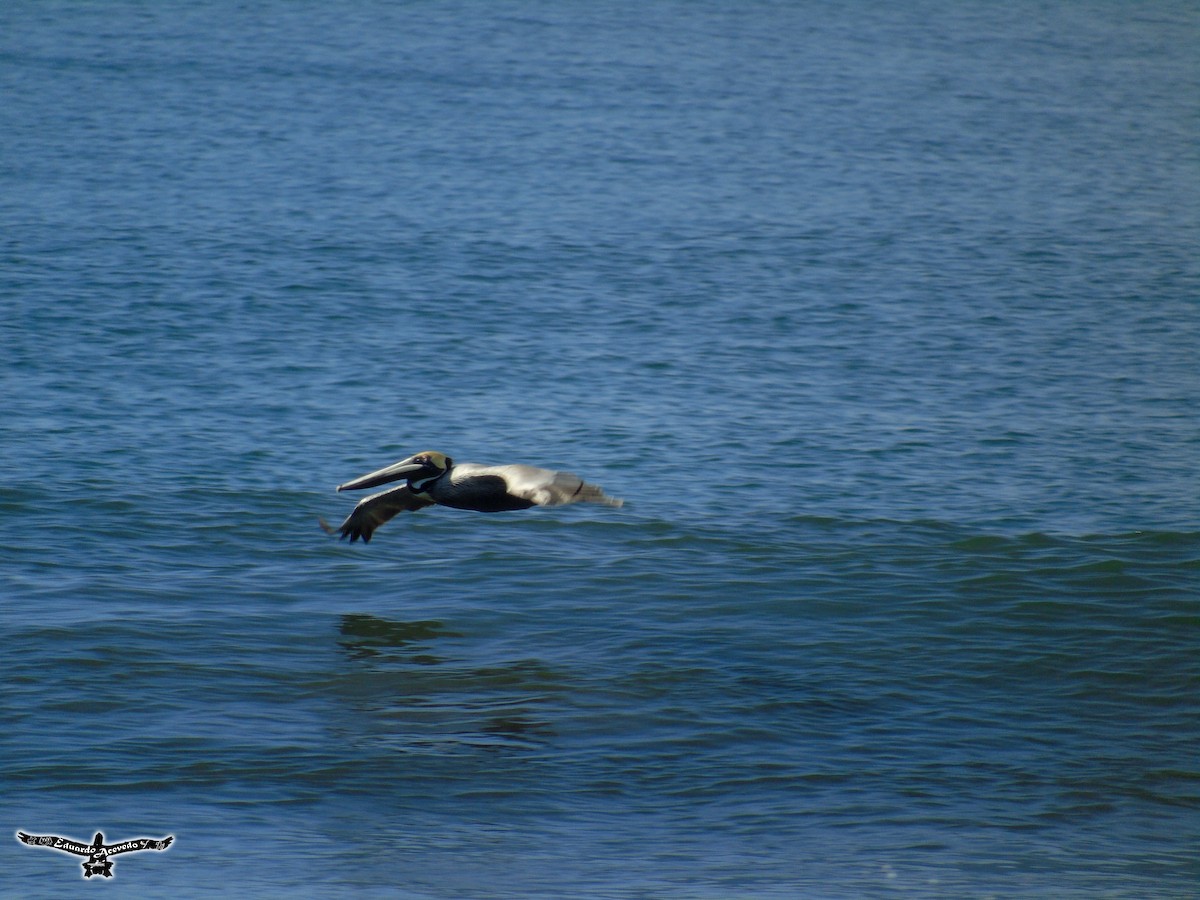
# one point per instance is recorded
(432, 462)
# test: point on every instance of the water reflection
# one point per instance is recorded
(421, 699)
(367, 636)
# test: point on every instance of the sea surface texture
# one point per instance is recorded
(883, 319)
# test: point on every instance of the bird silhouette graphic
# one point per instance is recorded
(97, 852)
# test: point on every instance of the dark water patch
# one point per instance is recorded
(370, 636)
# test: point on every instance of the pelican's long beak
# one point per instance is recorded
(394, 472)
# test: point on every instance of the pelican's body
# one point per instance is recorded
(433, 478)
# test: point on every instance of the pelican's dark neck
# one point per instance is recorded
(418, 485)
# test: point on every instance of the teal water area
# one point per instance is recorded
(883, 322)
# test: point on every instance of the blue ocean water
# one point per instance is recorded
(882, 318)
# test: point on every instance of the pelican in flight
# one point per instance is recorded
(434, 478)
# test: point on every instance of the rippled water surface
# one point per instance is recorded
(883, 320)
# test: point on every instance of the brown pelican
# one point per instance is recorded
(434, 478)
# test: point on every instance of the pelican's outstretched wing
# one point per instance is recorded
(140, 844)
(54, 842)
(544, 487)
(374, 510)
